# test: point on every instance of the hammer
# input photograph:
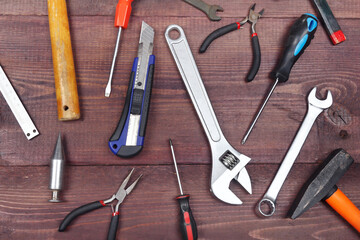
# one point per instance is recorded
(63, 62)
(322, 186)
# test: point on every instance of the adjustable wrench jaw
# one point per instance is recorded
(227, 164)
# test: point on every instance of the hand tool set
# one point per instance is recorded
(227, 163)
(252, 18)
(187, 221)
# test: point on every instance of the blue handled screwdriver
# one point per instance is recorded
(300, 35)
(128, 138)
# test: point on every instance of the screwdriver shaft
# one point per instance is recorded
(108, 86)
(259, 112)
(176, 169)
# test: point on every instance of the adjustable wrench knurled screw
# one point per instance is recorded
(315, 107)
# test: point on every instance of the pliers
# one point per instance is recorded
(119, 195)
(252, 18)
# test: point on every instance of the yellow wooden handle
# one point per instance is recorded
(64, 69)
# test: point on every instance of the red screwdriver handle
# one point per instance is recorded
(122, 15)
(187, 221)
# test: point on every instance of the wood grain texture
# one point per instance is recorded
(151, 212)
(232, 8)
(27, 61)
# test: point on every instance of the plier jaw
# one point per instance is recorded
(253, 17)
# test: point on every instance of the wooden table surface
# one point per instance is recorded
(151, 212)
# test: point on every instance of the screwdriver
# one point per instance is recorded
(122, 15)
(300, 35)
(187, 221)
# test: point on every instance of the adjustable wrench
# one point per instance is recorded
(209, 10)
(227, 163)
(315, 107)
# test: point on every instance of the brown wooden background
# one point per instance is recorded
(150, 212)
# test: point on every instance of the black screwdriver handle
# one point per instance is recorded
(218, 33)
(187, 221)
(300, 35)
(256, 58)
(79, 211)
(113, 226)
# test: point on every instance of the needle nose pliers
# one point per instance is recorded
(252, 18)
(119, 195)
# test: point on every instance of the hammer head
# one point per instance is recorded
(322, 181)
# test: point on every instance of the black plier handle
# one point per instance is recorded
(252, 18)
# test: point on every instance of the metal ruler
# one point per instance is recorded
(17, 107)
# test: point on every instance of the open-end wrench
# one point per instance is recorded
(227, 163)
(209, 10)
(315, 107)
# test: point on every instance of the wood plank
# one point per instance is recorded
(233, 8)
(25, 54)
(151, 211)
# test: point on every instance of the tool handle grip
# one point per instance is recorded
(79, 211)
(63, 62)
(216, 34)
(123, 12)
(299, 38)
(138, 105)
(331, 25)
(256, 58)
(113, 226)
(343, 205)
(187, 221)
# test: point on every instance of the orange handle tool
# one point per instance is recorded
(64, 69)
(122, 15)
(341, 204)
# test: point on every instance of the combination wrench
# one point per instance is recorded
(315, 107)
(227, 163)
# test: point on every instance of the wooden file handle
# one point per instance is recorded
(64, 69)
(340, 203)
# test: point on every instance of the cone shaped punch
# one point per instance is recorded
(57, 164)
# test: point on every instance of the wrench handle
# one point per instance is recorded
(199, 4)
(286, 165)
(191, 77)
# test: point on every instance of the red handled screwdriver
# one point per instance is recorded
(187, 221)
(122, 15)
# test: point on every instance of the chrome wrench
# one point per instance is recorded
(17, 107)
(227, 163)
(315, 107)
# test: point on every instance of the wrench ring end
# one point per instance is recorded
(271, 205)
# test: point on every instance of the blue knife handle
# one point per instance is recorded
(137, 101)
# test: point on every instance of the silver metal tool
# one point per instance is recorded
(209, 10)
(17, 107)
(227, 163)
(108, 85)
(57, 164)
(315, 107)
(176, 169)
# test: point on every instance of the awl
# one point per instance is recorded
(128, 138)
